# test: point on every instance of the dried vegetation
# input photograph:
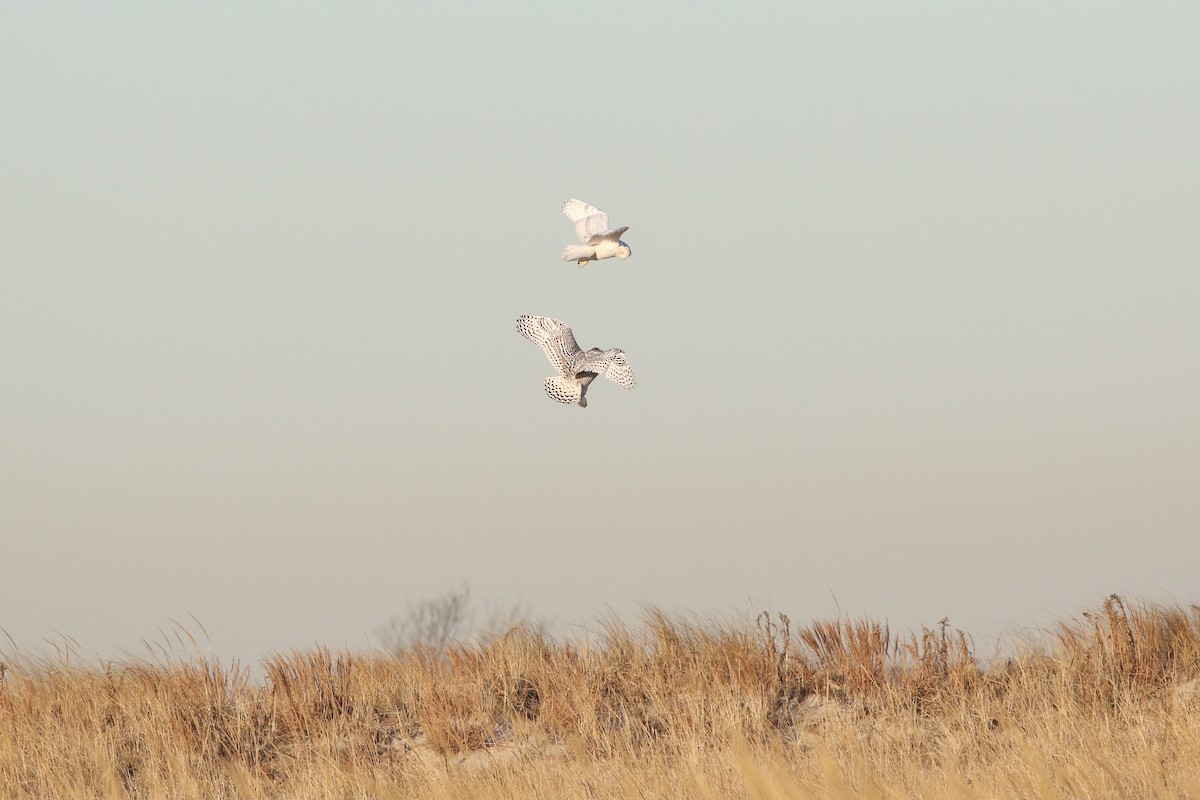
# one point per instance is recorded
(1106, 705)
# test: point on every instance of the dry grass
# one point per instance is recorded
(1105, 706)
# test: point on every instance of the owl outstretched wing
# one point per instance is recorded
(588, 219)
(612, 364)
(556, 340)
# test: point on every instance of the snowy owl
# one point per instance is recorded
(599, 241)
(576, 369)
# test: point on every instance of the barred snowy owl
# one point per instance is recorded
(576, 369)
(591, 226)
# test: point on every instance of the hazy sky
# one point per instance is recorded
(914, 306)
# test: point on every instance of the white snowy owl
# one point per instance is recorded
(576, 369)
(599, 241)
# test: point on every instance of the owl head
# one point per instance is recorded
(623, 250)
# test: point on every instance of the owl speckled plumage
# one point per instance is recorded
(599, 240)
(576, 368)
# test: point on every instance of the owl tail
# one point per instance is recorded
(565, 390)
(574, 252)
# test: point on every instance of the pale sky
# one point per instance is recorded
(914, 307)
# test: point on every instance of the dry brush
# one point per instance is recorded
(1105, 705)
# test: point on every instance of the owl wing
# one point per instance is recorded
(588, 219)
(556, 340)
(613, 235)
(611, 364)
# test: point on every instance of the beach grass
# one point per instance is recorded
(1106, 704)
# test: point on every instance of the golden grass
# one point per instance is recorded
(1107, 705)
